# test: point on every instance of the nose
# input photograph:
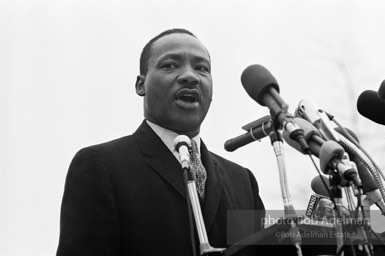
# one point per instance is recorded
(188, 76)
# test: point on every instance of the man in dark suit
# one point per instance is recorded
(128, 197)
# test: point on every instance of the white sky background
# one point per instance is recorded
(67, 74)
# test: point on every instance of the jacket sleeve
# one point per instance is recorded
(88, 221)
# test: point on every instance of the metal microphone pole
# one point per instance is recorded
(338, 220)
(290, 214)
(349, 198)
(182, 145)
(205, 246)
(364, 231)
(189, 211)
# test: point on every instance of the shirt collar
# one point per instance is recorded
(168, 138)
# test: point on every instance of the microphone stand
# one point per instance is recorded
(362, 231)
(350, 200)
(336, 192)
(290, 214)
(189, 211)
(205, 247)
(365, 230)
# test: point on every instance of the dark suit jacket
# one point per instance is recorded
(127, 197)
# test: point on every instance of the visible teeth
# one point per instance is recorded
(187, 97)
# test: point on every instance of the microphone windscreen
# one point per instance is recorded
(381, 90)
(371, 106)
(368, 183)
(329, 150)
(181, 140)
(257, 80)
(318, 187)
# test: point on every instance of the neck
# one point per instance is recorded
(189, 133)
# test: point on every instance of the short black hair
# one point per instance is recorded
(146, 52)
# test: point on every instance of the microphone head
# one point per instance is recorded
(318, 186)
(368, 183)
(181, 140)
(329, 150)
(257, 80)
(381, 90)
(371, 106)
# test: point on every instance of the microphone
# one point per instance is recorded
(258, 82)
(308, 111)
(371, 106)
(262, 86)
(311, 135)
(332, 156)
(182, 144)
(256, 130)
(381, 90)
(320, 206)
(318, 186)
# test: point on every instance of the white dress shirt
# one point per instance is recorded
(168, 138)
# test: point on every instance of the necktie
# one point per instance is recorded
(198, 170)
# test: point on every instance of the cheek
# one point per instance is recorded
(156, 90)
(160, 84)
(208, 93)
(156, 100)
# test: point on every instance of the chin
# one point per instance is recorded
(184, 125)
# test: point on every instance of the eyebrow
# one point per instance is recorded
(178, 56)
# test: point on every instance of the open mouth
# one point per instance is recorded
(188, 96)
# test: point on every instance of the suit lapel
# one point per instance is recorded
(159, 157)
(214, 186)
(162, 161)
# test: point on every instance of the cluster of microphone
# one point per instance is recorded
(311, 131)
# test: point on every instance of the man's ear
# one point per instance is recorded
(139, 85)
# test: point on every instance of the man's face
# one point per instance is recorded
(177, 88)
